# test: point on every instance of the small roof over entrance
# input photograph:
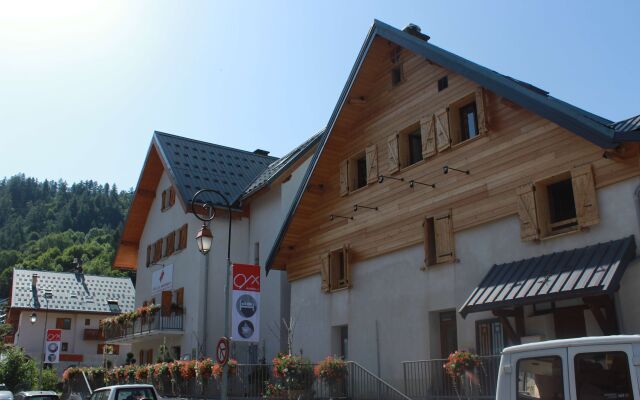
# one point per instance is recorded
(588, 271)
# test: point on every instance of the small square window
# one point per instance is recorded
(113, 306)
(443, 83)
(64, 346)
(87, 322)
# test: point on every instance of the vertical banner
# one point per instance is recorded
(245, 313)
(52, 346)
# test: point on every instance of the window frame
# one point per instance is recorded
(545, 225)
(404, 145)
(61, 323)
(431, 225)
(353, 171)
(560, 353)
(455, 119)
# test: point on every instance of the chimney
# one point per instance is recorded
(261, 152)
(34, 280)
(414, 30)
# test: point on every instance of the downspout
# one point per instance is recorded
(203, 346)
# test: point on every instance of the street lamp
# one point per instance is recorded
(204, 238)
(34, 318)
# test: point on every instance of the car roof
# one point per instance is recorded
(575, 342)
(39, 393)
(140, 386)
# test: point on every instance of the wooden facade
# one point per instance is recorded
(515, 148)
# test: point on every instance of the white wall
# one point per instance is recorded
(403, 299)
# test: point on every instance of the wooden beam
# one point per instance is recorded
(512, 336)
(519, 315)
(607, 320)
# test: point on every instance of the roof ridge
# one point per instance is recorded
(212, 144)
(70, 273)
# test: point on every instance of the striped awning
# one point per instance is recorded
(587, 271)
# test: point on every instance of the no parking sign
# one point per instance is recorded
(245, 314)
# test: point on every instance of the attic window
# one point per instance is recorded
(443, 83)
(396, 75)
(113, 306)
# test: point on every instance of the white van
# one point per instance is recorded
(587, 368)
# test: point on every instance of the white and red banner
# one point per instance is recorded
(52, 346)
(162, 279)
(245, 313)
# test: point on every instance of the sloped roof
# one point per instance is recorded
(589, 126)
(587, 271)
(277, 167)
(71, 292)
(196, 165)
(627, 129)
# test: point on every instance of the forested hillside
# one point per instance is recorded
(45, 225)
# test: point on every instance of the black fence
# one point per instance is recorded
(144, 325)
(428, 380)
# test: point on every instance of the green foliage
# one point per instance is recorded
(45, 225)
(50, 380)
(17, 371)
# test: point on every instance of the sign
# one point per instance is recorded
(222, 351)
(162, 279)
(52, 346)
(245, 313)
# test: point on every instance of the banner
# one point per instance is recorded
(52, 346)
(162, 279)
(245, 314)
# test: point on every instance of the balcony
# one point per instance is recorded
(93, 334)
(144, 327)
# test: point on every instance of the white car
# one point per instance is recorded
(126, 392)
(5, 394)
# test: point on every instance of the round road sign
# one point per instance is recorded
(222, 351)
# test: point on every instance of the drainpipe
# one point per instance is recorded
(204, 306)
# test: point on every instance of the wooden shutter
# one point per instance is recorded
(182, 237)
(150, 356)
(480, 110)
(165, 306)
(584, 194)
(428, 136)
(164, 200)
(443, 137)
(171, 243)
(429, 243)
(393, 161)
(372, 163)
(347, 265)
(324, 273)
(344, 177)
(172, 196)
(180, 297)
(443, 228)
(529, 228)
(59, 323)
(158, 250)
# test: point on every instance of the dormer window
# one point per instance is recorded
(113, 306)
(168, 198)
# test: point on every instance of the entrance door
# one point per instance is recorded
(448, 333)
(569, 322)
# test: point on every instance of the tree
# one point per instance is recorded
(17, 371)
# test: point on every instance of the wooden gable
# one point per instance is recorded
(515, 147)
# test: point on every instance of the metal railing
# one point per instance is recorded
(427, 379)
(144, 325)
(93, 334)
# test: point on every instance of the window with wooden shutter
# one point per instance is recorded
(444, 241)
(429, 241)
(338, 269)
(180, 297)
(483, 125)
(150, 359)
(584, 193)
(344, 177)
(393, 160)
(346, 257)
(324, 273)
(170, 242)
(372, 163)
(182, 237)
(164, 200)
(158, 251)
(165, 306)
(428, 133)
(172, 196)
(527, 212)
(443, 138)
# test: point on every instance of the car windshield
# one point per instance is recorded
(135, 394)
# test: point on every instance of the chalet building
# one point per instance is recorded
(75, 303)
(158, 242)
(448, 206)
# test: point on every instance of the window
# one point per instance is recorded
(438, 239)
(463, 118)
(540, 378)
(113, 306)
(563, 203)
(135, 393)
(168, 198)
(63, 323)
(603, 376)
(87, 322)
(182, 237)
(443, 83)
(335, 270)
(64, 346)
(113, 349)
(489, 337)
(170, 241)
(157, 251)
(410, 146)
(397, 75)
(359, 170)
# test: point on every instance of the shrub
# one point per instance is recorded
(331, 369)
(17, 371)
(295, 371)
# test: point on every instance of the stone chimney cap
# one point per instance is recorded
(414, 30)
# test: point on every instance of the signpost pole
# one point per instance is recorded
(44, 338)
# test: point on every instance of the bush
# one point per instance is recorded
(17, 371)
(50, 380)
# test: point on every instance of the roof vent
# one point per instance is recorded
(34, 280)
(414, 30)
(261, 152)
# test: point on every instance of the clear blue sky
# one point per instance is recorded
(84, 85)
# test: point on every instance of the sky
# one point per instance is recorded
(83, 85)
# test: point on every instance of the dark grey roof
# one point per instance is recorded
(628, 125)
(197, 165)
(588, 271)
(71, 292)
(591, 127)
(274, 169)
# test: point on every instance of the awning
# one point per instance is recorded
(588, 271)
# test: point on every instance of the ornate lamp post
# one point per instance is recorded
(204, 239)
